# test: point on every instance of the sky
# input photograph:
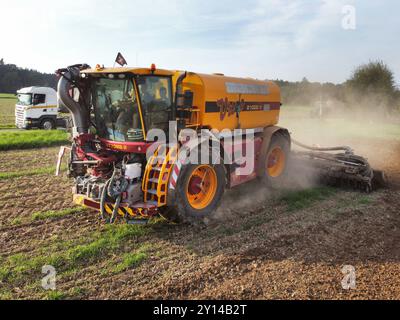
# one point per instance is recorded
(265, 39)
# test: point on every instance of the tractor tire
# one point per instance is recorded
(47, 124)
(198, 193)
(275, 161)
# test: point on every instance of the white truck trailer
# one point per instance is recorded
(37, 108)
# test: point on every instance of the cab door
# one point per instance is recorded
(155, 94)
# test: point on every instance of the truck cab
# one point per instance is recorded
(37, 108)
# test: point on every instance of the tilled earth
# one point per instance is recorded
(258, 248)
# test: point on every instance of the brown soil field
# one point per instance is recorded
(260, 247)
(19, 160)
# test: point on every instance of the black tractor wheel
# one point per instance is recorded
(198, 193)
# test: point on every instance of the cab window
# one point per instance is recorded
(24, 99)
(116, 110)
(156, 98)
(39, 99)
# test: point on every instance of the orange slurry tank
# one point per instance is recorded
(231, 103)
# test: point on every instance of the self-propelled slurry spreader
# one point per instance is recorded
(148, 141)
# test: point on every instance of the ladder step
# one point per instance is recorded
(156, 169)
(152, 191)
(154, 180)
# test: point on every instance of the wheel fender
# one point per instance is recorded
(268, 133)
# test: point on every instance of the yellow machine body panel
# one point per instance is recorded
(222, 102)
(233, 103)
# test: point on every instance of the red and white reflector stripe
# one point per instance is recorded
(175, 174)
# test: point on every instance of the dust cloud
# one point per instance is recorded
(239, 199)
(370, 130)
(373, 135)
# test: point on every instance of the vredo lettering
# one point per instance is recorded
(227, 107)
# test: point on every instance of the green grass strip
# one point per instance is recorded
(107, 242)
(27, 173)
(52, 214)
(131, 259)
(55, 295)
(297, 200)
(11, 140)
(101, 243)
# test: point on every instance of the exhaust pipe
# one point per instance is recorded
(80, 114)
(179, 100)
(179, 89)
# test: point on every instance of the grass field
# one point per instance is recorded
(7, 107)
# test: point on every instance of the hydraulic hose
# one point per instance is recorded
(114, 194)
(347, 149)
(109, 186)
(115, 210)
(103, 199)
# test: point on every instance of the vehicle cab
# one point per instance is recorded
(36, 108)
(127, 103)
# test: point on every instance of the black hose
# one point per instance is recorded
(113, 193)
(103, 199)
(109, 186)
(115, 210)
(340, 148)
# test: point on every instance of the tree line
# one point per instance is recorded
(370, 85)
(13, 78)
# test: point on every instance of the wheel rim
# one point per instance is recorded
(276, 162)
(47, 125)
(202, 187)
